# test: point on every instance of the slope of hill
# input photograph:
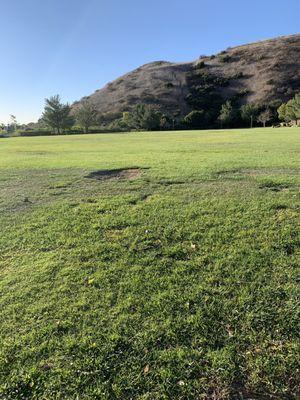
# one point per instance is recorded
(257, 72)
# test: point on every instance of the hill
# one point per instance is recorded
(258, 72)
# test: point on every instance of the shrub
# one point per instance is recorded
(196, 119)
(241, 93)
(200, 65)
(225, 59)
(37, 132)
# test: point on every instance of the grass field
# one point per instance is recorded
(180, 281)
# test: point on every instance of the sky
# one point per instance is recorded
(73, 47)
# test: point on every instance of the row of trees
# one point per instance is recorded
(147, 117)
(249, 113)
(231, 115)
(60, 117)
(11, 126)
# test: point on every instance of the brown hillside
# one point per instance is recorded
(259, 72)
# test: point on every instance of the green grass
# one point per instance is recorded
(180, 284)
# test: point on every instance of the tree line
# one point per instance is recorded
(61, 118)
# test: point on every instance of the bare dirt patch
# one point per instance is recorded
(115, 174)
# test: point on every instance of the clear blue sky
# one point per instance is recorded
(73, 47)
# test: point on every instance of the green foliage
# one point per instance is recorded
(179, 284)
(119, 125)
(225, 58)
(151, 119)
(165, 121)
(227, 114)
(13, 125)
(203, 94)
(293, 108)
(204, 97)
(265, 116)
(242, 93)
(290, 111)
(143, 117)
(204, 77)
(196, 119)
(249, 112)
(282, 114)
(108, 117)
(200, 65)
(56, 115)
(86, 115)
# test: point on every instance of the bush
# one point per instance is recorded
(37, 132)
(200, 65)
(241, 93)
(225, 59)
(196, 119)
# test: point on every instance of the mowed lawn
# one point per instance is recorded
(178, 281)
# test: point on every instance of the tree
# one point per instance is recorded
(86, 115)
(13, 124)
(118, 125)
(282, 112)
(249, 112)
(264, 117)
(293, 108)
(196, 119)
(290, 111)
(150, 119)
(57, 115)
(143, 117)
(136, 116)
(227, 113)
(13, 121)
(165, 121)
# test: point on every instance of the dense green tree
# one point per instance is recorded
(56, 115)
(107, 118)
(293, 108)
(290, 111)
(118, 125)
(151, 119)
(227, 114)
(249, 112)
(127, 119)
(137, 116)
(86, 115)
(143, 117)
(282, 112)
